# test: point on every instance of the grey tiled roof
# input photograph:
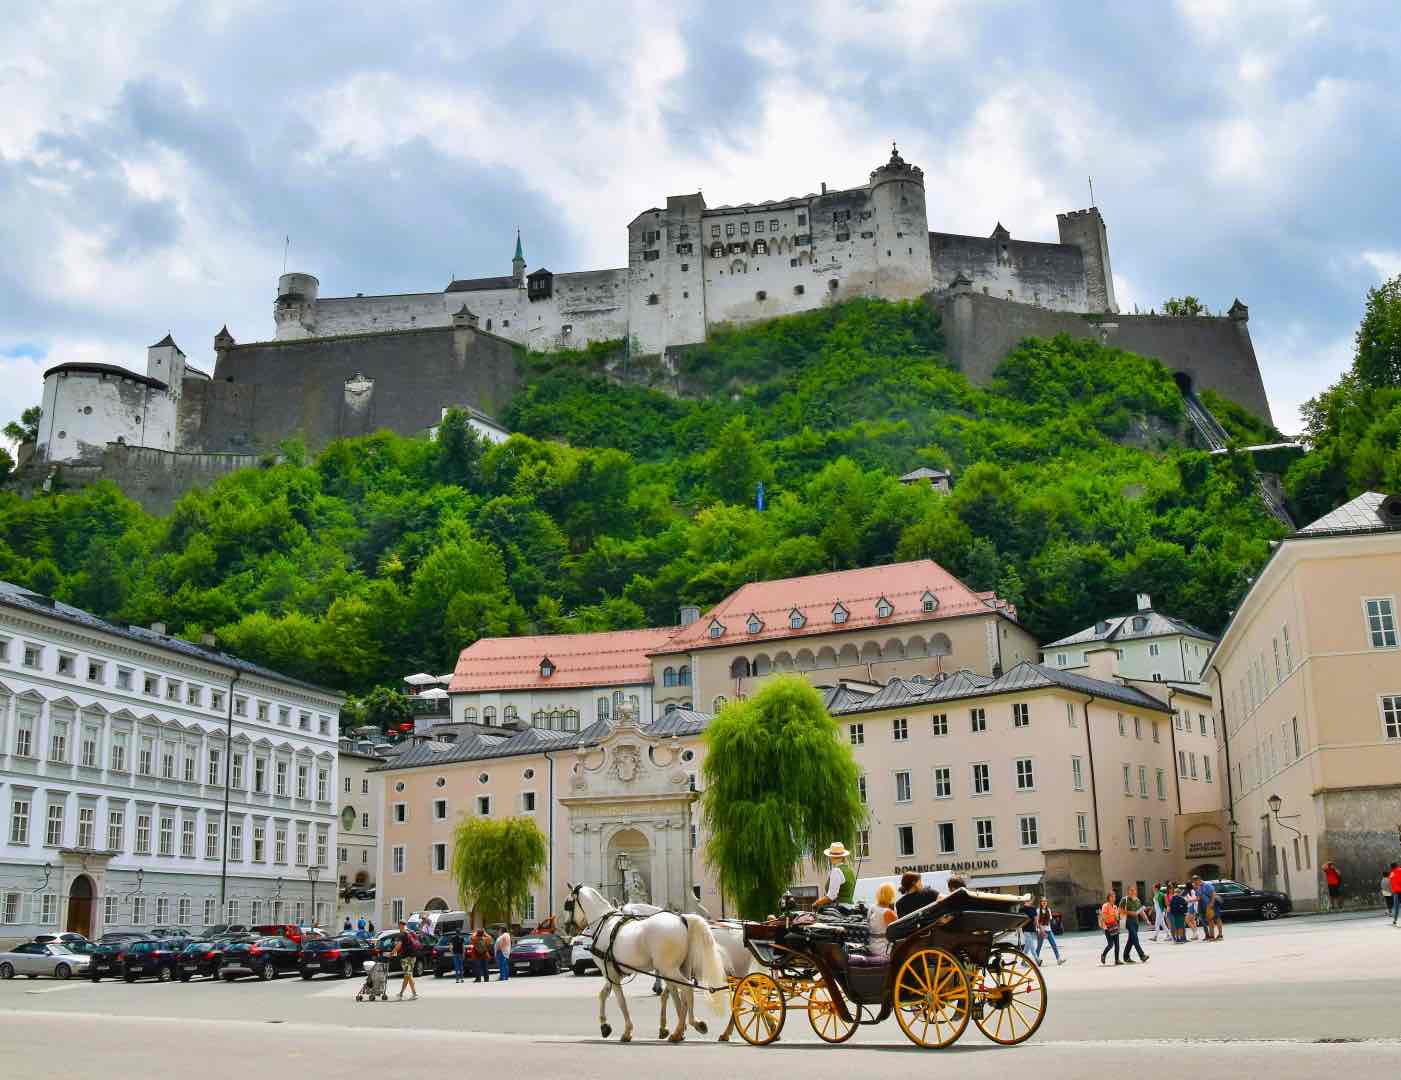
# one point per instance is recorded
(78, 367)
(1362, 514)
(678, 722)
(481, 284)
(1121, 628)
(14, 596)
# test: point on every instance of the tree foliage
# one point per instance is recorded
(780, 784)
(1183, 306)
(495, 861)
(26, 429)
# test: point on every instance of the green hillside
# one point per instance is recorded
(617, 502)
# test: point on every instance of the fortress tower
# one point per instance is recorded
(901, 253)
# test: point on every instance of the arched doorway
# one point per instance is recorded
(436, 904)
(629, 869)
(80, 906)
(1209, 871)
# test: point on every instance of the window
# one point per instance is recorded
(1156, 736)
(235, 841)
(33, 656)
(19, 821)
(11, 911)
(1137, 728)
(193, 695)
(1192, 760)
(839, 614)
(982, 831)
(1163, 831)
(236, 773)
(1060, 659)
(48, 909)
(302, 845)
(1288, 651)
(902, 786)
(260, 776)
(116, 830)
(323, 785)
(172, 690)
(260, 843)
(1391, 718)
(941, 723)
(284, 716)
(279, 844)
(1147, 834)
(89, 750)
(796, 619)
(1182, 763)
(863, 842)
(213, 767)
(167, 761)
(1133, 832)
(900, 729)
(978, 719)
(944, 837)
(1143, 781)
(53, 831)
(1153, 648)
(905, 839)
(187, 838)
(1077, 773)
(123, 678)
(211, 839)
(440, 858)
(528, 800)
(399, 813)
(715, 629)
(304, 721)
(1026, 777)
(729, 228)
(364, 821)
(484, 805)
(138, 910)
(943, 782)
(24, 736)
(1082, 829)
(1381, 622)
(396, 859)
(440, 809)
(58, 740)
(1206, 768)
(95, 671)
(1201, 722)
(1030, 830)
(1121, 724)
(1021, 715)
(303, 780)
(1128, 779)
(66, 663)
(982, 779)
(1162, 784)
(861, 787)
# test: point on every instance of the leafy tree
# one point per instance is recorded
(26, 430)
(384, 707)
(495, 861)
(780, 784)
(459, 450)
(7, 464)
(1183, 306)
(735, 464)
(1378, 359)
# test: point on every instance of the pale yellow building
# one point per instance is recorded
(1308, 678)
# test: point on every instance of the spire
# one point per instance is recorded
(518, 264)
(520, 254)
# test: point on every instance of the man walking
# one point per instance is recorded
(1132, 907)
(406, 949)
(503, 955)
(1395, 892)
(1210, 914)
(457, 949)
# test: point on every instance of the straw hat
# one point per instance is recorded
(837, 850)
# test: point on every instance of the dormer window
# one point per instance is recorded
(796, 619)
(883, 609)
(1140, 623)
(929, 602)
(839, 614)
(754, 625)
(715, 629)
(547, 668)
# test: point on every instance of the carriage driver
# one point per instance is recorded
(841, 879)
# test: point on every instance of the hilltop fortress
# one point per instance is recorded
(341, 366)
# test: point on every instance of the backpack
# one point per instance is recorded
(411, 945)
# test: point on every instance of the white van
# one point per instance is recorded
(439, 923)
(866, 887)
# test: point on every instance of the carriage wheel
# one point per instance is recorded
(759, 1009)
(931, 998)
(824, 1017)
(1009, 997)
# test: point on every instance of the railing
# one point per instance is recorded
(1216, 438)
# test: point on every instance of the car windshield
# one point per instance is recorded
(531, 941)
(59, 949)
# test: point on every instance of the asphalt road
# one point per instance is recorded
(1293, 997)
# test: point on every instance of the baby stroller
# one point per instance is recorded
(376, 982)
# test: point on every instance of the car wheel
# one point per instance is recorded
(306, 975)
(7, 971)
(266, 973)
(184, 976)
(62, 971)
(96, 978)
(164, 974)
(347, 969)
(229, 978)
(580, 968)
(130, 976)
(1269, 910)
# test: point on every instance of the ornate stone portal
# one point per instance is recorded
(631, 809)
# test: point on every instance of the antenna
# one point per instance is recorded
(286, 243)
(1091, 179)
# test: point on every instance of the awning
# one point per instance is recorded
(995, 880)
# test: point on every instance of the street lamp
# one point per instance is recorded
(1275, 802)
(312, 873)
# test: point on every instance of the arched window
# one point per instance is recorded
(683, 675)
(603, 707)
(635, 704)
(718, 703)
(469, 715)
(571, 720)
(669, 676)
(489, 714)
(739, 669)
(556, 719)
(509, 713)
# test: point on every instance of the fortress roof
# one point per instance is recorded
(79, 368)
(481, 284)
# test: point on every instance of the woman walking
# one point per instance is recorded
(1109, 923)
(1160, 924)
(1045, 932)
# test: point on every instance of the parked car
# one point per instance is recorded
(35, 958)
(384, 950)
(110, 954)
(154, 958)
(67, 938)
(264, 957)
(223, 930)
(1236, 900)
(360, 892)
(343, 956)
(580, 958)
(539, 954)
(291, 931)
(203, 957)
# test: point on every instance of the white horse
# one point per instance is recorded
(737, 962)
(667, 943)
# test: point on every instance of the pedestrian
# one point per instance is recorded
(481, 954)
(406, 949)
(1395, 881)
(1133, 912)
(1177, 909)
(457, 957)
(1335, 883)
(1045, 931)
(360, 926)
(1207, 909)
(370, 927)
(1109, 923)
(347, 927)
(1160, 925)
(1028, 912)
(503, 955)
(1386, 891)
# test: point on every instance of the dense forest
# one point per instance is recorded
(617, 502)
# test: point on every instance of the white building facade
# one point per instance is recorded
(1152, 646)
(357, 840)
(145, 779)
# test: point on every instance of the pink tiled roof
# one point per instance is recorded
(859, 591)
(615, 658)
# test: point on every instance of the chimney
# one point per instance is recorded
(1145, 602)
(1102, 664)
(158, 628)
(824, 187)
(689, 614)
(208, 641)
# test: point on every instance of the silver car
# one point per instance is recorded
(42, 958)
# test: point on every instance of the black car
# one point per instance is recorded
(265, 957)
(343, 956)
(384, 950)
(151, 959)
(1235, 900)
(203, 956)
(109, 955)
(539, 954)
(224, 930)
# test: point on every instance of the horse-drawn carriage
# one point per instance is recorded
(944, 966)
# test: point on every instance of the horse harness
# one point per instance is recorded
(621, 919)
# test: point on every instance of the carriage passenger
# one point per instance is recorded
(882, 915)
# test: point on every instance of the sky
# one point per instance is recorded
(156, 157)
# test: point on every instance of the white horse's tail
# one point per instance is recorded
(703, 961)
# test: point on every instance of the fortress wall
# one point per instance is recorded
(362, 314)
(1052, 275)
(1214, 352)
(266, 391)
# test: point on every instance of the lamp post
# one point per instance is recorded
(1275, 802)
(312, 873)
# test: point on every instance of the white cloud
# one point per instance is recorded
(1386, 264)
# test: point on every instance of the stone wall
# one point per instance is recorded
(1051, 275)
(1074, 878)
(1362, 835)
(1209, 351)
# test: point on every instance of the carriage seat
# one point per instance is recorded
(905, 925)
(867, 960)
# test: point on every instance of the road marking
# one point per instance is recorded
(58, 988)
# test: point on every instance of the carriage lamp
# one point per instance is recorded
(1275, 802)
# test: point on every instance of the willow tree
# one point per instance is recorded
(494, 863)
(780, 783)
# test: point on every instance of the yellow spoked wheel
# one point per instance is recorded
(1009, 997)
(824, 1017)
(932, 998)
(759, 1009)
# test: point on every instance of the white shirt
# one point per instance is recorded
(503, 943)
(835, 880)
